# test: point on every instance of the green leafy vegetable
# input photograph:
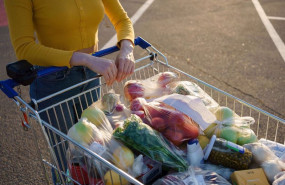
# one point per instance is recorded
(141, 137)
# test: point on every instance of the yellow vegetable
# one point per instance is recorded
(112, 178)
(123, 157)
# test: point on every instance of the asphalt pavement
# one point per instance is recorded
(221, 42)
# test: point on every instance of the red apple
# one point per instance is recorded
(152, 111)
(175, 137)
(137, 104)
(190, 130)
(133, 89)
(177, 119)
(165, 78)
(158, 124)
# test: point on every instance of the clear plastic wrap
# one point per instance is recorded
(228, 154)
(141, 137)
(231, 127)
(100, 141)
(149, 88)
(279, 179)
(173, 124)
(265, 158)
(190, 88)
(192, 177)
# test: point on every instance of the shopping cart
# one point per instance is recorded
(267, 126)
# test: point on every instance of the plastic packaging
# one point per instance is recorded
(173, 124)
(231, 127)
(141, 137)
(100, 141)
(279, 179)
(222, 152)
(260, 153)
(272, 168)
(149, 88)
(192, 177)
(190, 88)
(195, 155)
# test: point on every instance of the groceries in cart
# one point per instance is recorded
(179, 134)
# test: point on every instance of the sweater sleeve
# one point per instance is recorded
(21, 27)
(119, 18)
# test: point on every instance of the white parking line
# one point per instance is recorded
(134, 19)
(276, 18)
(270, 29)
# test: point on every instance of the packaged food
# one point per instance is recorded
(228, 154)
(173, 124)
(192, 176)
(254, 176)
(195, 155)
(149, 88)
(190, 88)
(141, 137)
(231, 127)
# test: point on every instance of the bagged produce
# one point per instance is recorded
(141, 137)
(190, 88)
(231, 127)
(149, 88)
(228, 154)
(96, 116)
(191, 106)
(100, 141)
(173, 124)
(192, 177)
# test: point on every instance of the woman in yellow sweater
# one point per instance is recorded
(67, 32)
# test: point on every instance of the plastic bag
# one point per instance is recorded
(219, 169)
(260, 152)
(228, 154)
(100, 141)
(141, 137)
(272, 168)
(279, 179)
(190, 88)
(149, 88)
(173, 124)
(192, 177)
(96, 116)
(231, 127)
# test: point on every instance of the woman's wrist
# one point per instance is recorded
(126, 45)
(80, 59)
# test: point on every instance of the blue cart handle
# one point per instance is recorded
(7, 85)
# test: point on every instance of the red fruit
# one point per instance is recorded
(177, 119)
(165, 78)
(137, 104)
(133, 89)
(175, 137)
(158, 124)
(153, 111)
(190, 130)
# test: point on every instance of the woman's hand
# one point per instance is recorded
(125, 61)
(105, 67)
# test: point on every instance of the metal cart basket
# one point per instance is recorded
(267, 126)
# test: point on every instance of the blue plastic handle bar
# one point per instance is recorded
(7, 85)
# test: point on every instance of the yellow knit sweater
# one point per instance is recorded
(61, 27)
